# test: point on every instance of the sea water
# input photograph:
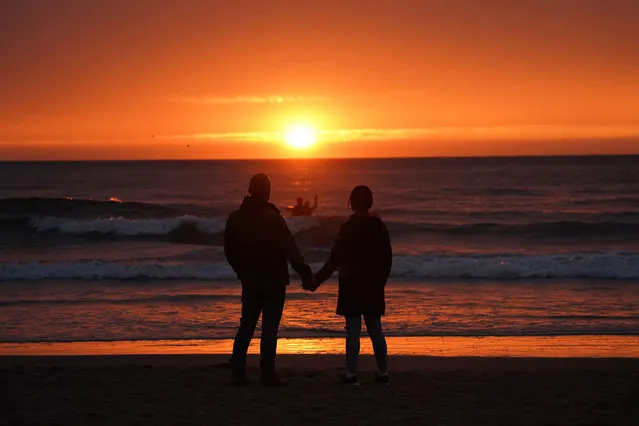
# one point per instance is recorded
(483, 246)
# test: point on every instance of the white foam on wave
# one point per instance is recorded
(302, 223)
(129, 227)
(614, 265)
(610, 265)
(90, 270)
(133, 227)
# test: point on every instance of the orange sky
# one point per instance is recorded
(121, 79)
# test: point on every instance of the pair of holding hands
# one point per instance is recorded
(311, 285)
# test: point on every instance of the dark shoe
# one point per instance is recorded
(382, 379)
(345, 379)
(271, 379)
(240, 380)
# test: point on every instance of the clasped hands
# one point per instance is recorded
(310, 285)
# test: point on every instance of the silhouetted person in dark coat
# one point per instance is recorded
(363, 256)
(258, 246)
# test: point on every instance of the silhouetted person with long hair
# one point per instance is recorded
(362, 254)
(258, 245)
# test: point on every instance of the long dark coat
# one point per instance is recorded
(363, 255)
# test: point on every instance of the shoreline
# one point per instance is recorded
(573, 346)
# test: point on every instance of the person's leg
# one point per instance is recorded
(271, 317)
(251, 309)
(374, 328)
(353, 332)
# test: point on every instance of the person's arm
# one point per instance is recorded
(387, 257)
(292, 252)
(314, 204)
(230, 245)
(334, 260)
(325, 272)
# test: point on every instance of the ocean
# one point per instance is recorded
(483, 246)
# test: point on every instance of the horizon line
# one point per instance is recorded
(452, 157)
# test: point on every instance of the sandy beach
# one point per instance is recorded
(194, 389)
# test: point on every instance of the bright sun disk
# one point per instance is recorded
(300, 136)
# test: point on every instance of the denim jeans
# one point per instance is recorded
(270, 304)
(375, 332)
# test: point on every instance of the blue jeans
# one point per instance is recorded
(270, 304)
(375, 332)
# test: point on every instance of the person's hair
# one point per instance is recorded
(361, 199)
(260, 187)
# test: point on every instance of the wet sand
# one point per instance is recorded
(449, 346)
(194, 389)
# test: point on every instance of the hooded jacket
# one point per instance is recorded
(363, 255)
(258, 245)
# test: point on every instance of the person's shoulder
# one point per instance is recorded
(234, 214)
(349, 226)
(349, 222)
(381, 222)
(377, 218)
(233, 222)
(272, 215)
(363, 220)
(371, 223)
(271, 208)
(270, 212)
(382, 226)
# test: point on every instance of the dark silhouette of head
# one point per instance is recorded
(361, 199)
(260, 187)
(299, 201)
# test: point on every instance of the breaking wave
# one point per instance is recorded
(321, 230)
(128, 227)
(199, 224)
(609, 265)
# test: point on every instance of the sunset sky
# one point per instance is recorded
(131, 79)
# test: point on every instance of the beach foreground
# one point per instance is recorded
(194, 389)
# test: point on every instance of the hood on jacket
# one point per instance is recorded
(251, 205)
(371, 220)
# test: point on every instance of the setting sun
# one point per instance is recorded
(300, 136)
